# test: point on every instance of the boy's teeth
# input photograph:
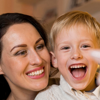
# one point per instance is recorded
(36, 72)
(77, 66)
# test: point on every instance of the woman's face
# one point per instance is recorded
(25, 61)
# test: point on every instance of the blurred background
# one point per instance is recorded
(46, 11)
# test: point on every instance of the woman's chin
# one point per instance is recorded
(41, 86)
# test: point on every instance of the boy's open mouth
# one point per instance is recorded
(78, 71)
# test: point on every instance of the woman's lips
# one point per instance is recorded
(36, 73)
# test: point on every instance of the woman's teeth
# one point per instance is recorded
(36, 72)
(77, 66)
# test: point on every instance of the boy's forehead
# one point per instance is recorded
(74, 27)
(77, 29)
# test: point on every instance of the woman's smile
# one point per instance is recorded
(36, 73)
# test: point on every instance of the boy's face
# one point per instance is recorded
(71, 56)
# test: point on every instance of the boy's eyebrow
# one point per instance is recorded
(68, 41)
(61, 43)
(24, 45)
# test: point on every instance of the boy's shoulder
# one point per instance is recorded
(47, 93)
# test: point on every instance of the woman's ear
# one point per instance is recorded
(1, 72)
(53, 59)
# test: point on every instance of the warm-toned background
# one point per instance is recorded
(47, 10)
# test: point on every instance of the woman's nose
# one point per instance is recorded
(35, 58)
(76, 54)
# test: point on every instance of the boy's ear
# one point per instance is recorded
(53, 59)
(1, 72)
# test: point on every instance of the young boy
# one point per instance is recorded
(73, 36)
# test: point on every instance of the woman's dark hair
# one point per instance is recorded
(7, 20)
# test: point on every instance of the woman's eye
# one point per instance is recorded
(22, 52)
(85, 46)
(40, 47)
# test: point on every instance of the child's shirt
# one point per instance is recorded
(65, 92)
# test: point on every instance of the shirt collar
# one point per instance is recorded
(67, 88)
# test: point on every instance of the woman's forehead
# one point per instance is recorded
(20, 33)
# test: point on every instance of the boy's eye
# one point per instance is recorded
(40, 47)
(22, 52)
(65, 48)
(85, 46)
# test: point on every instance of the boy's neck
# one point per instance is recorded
(91, 87)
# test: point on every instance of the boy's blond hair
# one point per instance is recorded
(74, 18)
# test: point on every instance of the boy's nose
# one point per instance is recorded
(76, 55)
(35, 59)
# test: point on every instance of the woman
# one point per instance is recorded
(24, 58)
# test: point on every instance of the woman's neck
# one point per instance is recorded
(13, 96)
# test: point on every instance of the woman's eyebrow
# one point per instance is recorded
(24, 45)
(38, 40)
(20, 45)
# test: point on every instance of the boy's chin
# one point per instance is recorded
(80, 87)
